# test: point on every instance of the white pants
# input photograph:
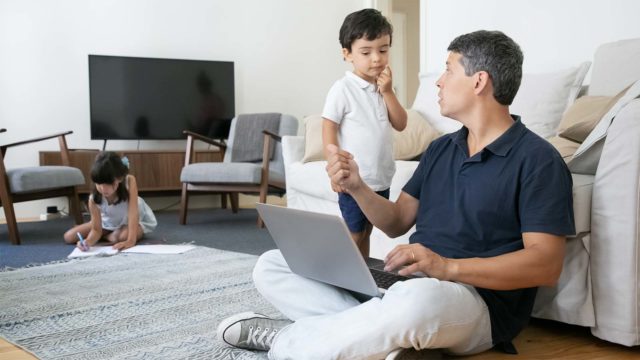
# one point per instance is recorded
(331, 324)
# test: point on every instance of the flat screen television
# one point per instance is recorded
(133, 98)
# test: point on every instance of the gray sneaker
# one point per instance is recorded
(250, 330)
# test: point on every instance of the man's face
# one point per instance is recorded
(456, 88)
(369, 57)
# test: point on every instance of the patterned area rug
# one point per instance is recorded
(130, 306)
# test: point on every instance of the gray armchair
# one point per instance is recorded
(38, 182)
(252, 161)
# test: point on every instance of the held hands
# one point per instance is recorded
(419, 259)
(384, 81)
(342, 170)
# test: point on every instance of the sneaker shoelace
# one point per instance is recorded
(261, 338)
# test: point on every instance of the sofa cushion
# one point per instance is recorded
(615, 64)
(414, 139)
(313, 138)
(565, 147)
(583, 116)
(544, 97)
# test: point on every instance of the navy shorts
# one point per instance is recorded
(351, 213)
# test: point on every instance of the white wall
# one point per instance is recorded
(553, 34)
(286, 55)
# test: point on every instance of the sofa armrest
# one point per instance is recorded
(292, 149)
(292, 152)
(615, 231)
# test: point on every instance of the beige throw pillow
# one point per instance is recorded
(565, 147)
(313, 139)
(583, 116)
(407, 144)
(414, 139)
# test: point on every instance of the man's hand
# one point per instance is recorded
(419, 259)
(384, 81)
(342, 170)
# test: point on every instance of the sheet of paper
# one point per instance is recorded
(93, 251)
(159, 249)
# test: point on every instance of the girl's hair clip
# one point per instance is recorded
(125, 161)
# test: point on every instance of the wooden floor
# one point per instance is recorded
(540, 340)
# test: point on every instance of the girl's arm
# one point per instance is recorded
(96, 223)
(133, 214)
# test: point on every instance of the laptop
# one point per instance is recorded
(319, 247)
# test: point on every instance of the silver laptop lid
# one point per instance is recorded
(318, 246)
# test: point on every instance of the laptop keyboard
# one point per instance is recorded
(385, 279)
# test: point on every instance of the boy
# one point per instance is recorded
(360, 110)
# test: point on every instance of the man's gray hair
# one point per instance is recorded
(495, 53)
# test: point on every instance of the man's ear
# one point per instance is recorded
(346, 54)
(482, 80)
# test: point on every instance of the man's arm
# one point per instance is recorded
(538, 264)
(394, 219)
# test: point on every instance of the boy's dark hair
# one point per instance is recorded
(495, 53)
(366, 23)
(105, 170)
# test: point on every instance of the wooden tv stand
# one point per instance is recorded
(156, 171)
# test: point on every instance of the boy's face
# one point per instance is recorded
(369, 57)
(456, 88)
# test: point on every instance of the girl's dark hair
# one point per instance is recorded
(367, 23)
(105, 170)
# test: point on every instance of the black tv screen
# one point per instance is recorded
(134, 98)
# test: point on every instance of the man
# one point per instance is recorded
(492, 204)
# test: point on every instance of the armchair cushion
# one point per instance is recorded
(248, 134)
(28, 179)
(232, 173)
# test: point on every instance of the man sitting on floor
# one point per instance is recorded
(492, 204)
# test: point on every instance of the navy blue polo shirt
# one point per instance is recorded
(479, 206)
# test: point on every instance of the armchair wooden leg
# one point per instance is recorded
(74, 207)
(10, 217)
(184, 203)
(234, 202)
(263, 199)
(223, 200)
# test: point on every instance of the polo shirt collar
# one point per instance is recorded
(362, 83)
(502, 144)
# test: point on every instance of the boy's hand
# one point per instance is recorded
(384, 81)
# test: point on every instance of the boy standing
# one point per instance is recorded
(360, 110)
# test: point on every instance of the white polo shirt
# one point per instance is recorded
(365, 130)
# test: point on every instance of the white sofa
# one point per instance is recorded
(600, 283)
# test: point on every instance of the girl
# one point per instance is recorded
(118, 215)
